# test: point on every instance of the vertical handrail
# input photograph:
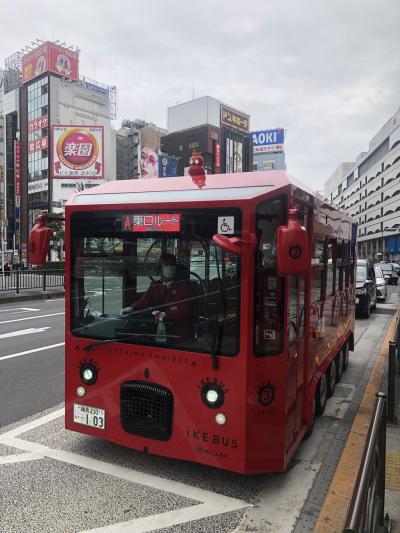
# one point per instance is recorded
(392, 371)
(369, 492)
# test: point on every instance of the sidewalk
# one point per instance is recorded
(31, 294)
(333, 513)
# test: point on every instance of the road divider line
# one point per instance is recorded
(19, 458)
(20, 309)
(29, 426)
(31, 318)
(32, 351)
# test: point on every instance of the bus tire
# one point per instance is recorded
(331, 378)
(321, 395)
(339, 365)
(346, 355)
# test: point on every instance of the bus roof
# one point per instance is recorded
(238, 186)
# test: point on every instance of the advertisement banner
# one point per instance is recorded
(78, 151)
(268, 140)
(37, 144)
(50, 57)
(217, 155)
(148, 163)
(234, 119)
(237, 156)
(38, 124)
(17, 168)
(167, 166)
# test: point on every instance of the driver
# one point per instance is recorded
(172, 296)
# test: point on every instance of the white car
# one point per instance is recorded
(381, 287)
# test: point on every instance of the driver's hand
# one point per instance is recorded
(126, 311)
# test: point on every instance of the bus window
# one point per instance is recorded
(268, 287)
(119, 267)
(318, 271)
(292, 309)
(331, 272)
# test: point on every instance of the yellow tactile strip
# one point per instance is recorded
(334, 511)
(392, 480)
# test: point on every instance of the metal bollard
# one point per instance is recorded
(17, 282)
(44, 281)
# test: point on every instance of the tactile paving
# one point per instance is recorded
(392, 480)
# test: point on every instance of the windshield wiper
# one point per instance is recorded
(216, 344)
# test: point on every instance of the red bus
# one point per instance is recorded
(226, 356)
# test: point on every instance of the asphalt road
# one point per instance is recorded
(31, 381)
(59, 481)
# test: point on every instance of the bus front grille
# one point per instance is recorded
(146, 409)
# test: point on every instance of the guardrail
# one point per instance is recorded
(15, 280)
(393, 373)
(367, 508)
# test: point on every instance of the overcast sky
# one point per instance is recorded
(327, 71)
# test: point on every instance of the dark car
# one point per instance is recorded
(366, 295)
(390, 273)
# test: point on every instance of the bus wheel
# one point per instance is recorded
(339, 365)
(321, 395)
(331, 378)
(346, 354)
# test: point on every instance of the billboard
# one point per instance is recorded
(234, 119)
(268, 140)
(167, 166)
(50, 57)
(78, 152)
(148, 163)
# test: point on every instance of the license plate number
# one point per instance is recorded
(89, 416)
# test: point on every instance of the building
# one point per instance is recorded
(131, 137)
(369, 189)
(59, 137)
(218, 131)
(268, 149)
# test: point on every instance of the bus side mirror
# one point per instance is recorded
(39, 243)
(292, 256)
(233, 245)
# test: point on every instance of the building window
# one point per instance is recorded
(193, 145)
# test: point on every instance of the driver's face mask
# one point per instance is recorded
(168, 272)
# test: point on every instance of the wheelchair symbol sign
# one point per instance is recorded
(226, 225)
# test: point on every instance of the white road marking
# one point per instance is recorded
(31, 318)
(23, 309)
(23, 332)
(19, 458)
(210, 503)
(11, 356)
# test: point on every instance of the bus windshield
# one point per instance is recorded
(156, 278)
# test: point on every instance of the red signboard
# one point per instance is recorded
(50, 57)
(37, 144)
(38, 124)
(17, 167)
(152, 222)
(78, 151)
(217, 155)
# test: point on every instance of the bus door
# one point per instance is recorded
(295, 356)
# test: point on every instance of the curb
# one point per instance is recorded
(14, 298)
(337, 502)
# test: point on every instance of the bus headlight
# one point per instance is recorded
(88, 373)
(220, 419)
(80, 391)
(212, 395)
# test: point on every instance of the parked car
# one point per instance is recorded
(396, 266)
(390, 273)
(381, 287)
(366, 295)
